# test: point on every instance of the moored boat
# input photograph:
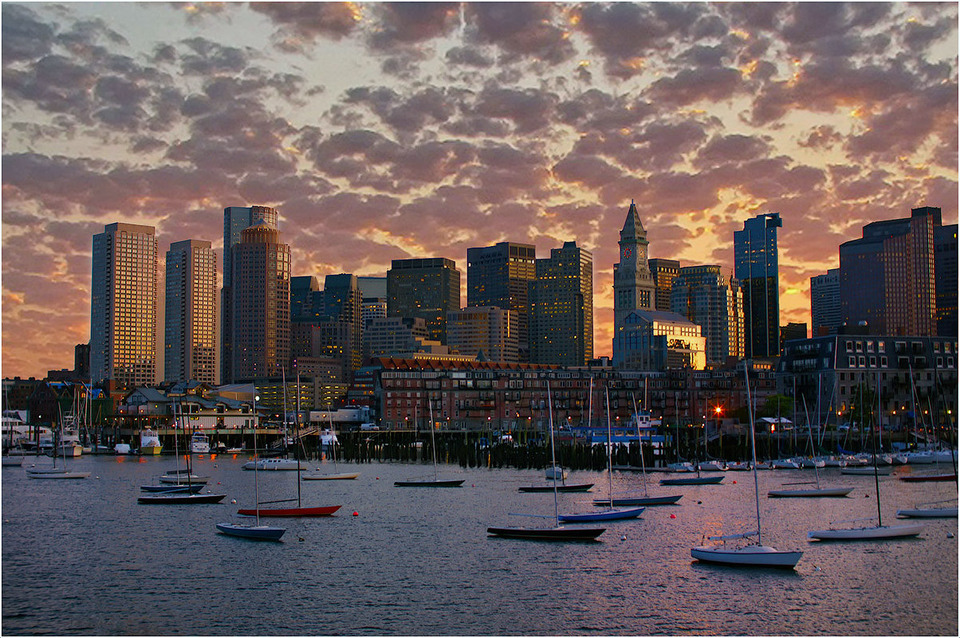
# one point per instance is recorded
(179, 498)
(289, 512)
(746, 556)
(570, 487)
(548, 533)
(274, 464)
(252, 532)
(693, 480)
(878, 532)
(608, 515)
(150, 442)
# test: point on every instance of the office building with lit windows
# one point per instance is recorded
(825, 303)
(123, 306)
(426, 288)
(500, 276)
(703, 295)
(235, 220)
(190, 321)
(756, 266)
(488, 330)
(663, 271)
(260, 329)
(561, 307)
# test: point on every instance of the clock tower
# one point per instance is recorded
(633, 286)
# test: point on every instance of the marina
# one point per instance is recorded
(420, 562)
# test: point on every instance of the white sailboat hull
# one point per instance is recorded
(867, 533)
(929, 512)
(749, 556)
(834, 492)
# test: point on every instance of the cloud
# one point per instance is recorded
(25, 37)
(301, 23)
(520, 30)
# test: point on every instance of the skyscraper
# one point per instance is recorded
(561, 307)
(483, 329)
(704, 297)
(500, 276)
(426, 288)
(825, 303)
(190, 323)
(342, 301)
(123, 305)
(235, 220)
(633, 287)
(887, 277)
(260, 329)
(757, 269)
(663, 271)
(945, 266)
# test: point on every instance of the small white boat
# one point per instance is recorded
(807, 463)
(746, 556)
(739, 466)
(556, 473)
(712, 466)
(183, 479)
(56, 473)
(815, 492)
(878, 532)
(12, 460)
(784, 464)
(928, 512)
(275, 464)
(341, 476)
(685, 466)
(122, 449)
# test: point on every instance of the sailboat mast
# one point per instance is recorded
(433, 440)
(876, 472)
(643, 469)
(753, 450)
(553, 458)
(606, 393)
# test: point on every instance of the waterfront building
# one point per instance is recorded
(260, 331)
(123, 306)
(757, 269)
(633, 285)
(561, 307)
(389, 336)
(483, 329)
(190, 321)
(825, 303)
(887, 277)
(828, 370)
(663, 271)
(703, 295)
(791, 332)
(500, 276)
(235, 220)
(425, 288)
(945, 267)
(650, 340)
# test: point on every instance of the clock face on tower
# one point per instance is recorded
(627, 251)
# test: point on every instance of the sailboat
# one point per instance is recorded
(611, 513)
(557, 532)
(436, 481)
(754, 554)
(299, 510)
(253, 532)
(56, 472)
(187, 494)
(817, 492)
(646, 499)
(337, 475)
(879, 531)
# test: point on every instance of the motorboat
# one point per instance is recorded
(122, 449)
(199, 443)
(149, 442)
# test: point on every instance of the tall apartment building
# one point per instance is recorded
(887, 277)
(483, 329)
(757, 269)
(123, 305)
(426, 288)
(260, 328)
(342, 301)
(633, 286)
(663, 271)
(190, 321)
(500, 276)
(825, 312)
(561, 307)
(703, 296)
(235, 220)
(945, 267)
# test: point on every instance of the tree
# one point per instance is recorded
(777, 405)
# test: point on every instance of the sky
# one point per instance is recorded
(398, 130)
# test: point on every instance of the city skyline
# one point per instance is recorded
(406, 131)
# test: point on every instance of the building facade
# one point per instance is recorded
(190, 321)
(704, 297)
(757, 268)
(500, 276)
(663, 271)
(945, 266)
(887, 277)
(654, 341)
(424, 288)
(260, 330)
(561, 307)
(489, 330)
(123, 305)
(825, 312)
(235, 220)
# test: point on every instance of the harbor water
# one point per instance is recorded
(81, 557)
